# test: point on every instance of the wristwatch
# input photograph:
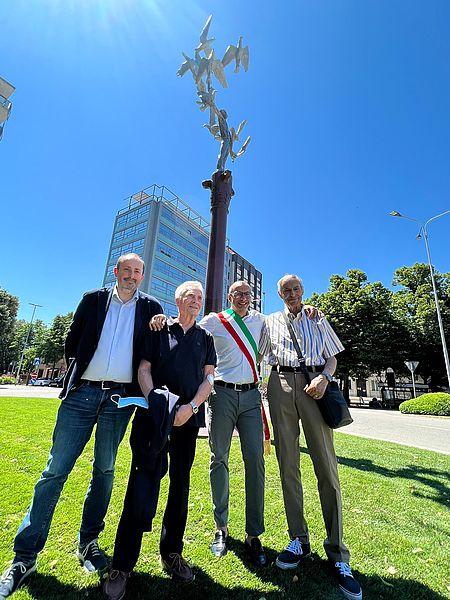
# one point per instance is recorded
(327, 376)
(194, 407)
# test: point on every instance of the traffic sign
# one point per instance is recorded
(36, 362)
(412, 365)
(33, 375)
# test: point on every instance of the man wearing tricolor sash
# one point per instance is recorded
(237, 404)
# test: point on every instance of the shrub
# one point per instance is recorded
(428, 404)
(5, 379)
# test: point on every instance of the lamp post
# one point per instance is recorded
(26, 341)
(423, 232)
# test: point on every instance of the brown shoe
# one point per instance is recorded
(115, 584)
(175, 565)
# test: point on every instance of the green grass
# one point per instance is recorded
(396, 521)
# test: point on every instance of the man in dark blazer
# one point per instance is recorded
(103, 350)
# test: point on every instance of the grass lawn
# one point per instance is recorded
(396, 520)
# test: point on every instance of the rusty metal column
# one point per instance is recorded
(221, 193)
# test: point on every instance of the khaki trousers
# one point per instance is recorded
(288, 405)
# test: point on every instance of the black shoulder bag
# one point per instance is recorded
(332, 405)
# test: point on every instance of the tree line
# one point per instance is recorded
(44, 341)
(382, 328)
(379, 327)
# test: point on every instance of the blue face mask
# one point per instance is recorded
(129, 401)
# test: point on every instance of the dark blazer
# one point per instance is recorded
(85, 330)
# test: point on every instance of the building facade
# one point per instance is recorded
(173, 241)
(6, 89)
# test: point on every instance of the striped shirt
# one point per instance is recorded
(316, 338)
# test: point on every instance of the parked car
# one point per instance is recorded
(57, 382)
(41, 381)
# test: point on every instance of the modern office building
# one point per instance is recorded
(173, 241)
(6, 89)
(241, 270)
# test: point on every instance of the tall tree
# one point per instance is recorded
(415, 307)
(56, 335)
(9, 305)
(361, 314)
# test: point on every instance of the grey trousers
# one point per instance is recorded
(288, 404)
(229, 409)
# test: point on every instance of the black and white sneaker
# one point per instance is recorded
(294, 553)
(348, 585)
(92, 558)
(13, 577)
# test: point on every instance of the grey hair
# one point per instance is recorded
(181, 289)
(290, 276)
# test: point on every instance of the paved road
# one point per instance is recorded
(29, 391)
(431, 433)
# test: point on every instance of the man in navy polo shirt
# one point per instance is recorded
(181, 357)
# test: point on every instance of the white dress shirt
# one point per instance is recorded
(113, 358)
(232, 366)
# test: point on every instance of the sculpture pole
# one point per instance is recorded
(203, 67)
(221, 193)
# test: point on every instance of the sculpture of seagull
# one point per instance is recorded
(189, 65)
(205, 43)
(237, 53)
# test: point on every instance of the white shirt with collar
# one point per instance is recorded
(232, 366)
(113, 358)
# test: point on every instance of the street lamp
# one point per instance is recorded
(26, 341)
(423, 232)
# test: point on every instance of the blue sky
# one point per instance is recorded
(347, 103)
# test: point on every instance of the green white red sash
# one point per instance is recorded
(239, 331)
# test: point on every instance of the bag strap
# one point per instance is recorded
(297, 347)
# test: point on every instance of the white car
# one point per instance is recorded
(42, 381)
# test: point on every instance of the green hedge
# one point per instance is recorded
(4, 380)
(428, 404)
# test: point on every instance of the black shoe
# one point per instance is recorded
(92, 558)
(13, 577)
(219, 546)
(256, 552)
(348, 585)
(293, 555)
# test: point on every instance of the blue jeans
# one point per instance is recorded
(83, 408)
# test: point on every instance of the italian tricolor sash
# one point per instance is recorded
(238, 330)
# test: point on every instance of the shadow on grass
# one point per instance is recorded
(441, 490)
(311, 581)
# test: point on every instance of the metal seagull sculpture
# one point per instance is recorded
(237, 53)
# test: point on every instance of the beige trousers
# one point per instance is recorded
(288, 405)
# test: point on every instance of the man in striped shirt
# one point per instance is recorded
(292, 399)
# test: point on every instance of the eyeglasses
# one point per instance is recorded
(241, 294)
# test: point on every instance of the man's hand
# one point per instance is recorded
(183, 414)
(312, 312)
(158, 322)
(316, 389)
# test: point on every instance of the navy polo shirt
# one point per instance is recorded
(178, 360)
